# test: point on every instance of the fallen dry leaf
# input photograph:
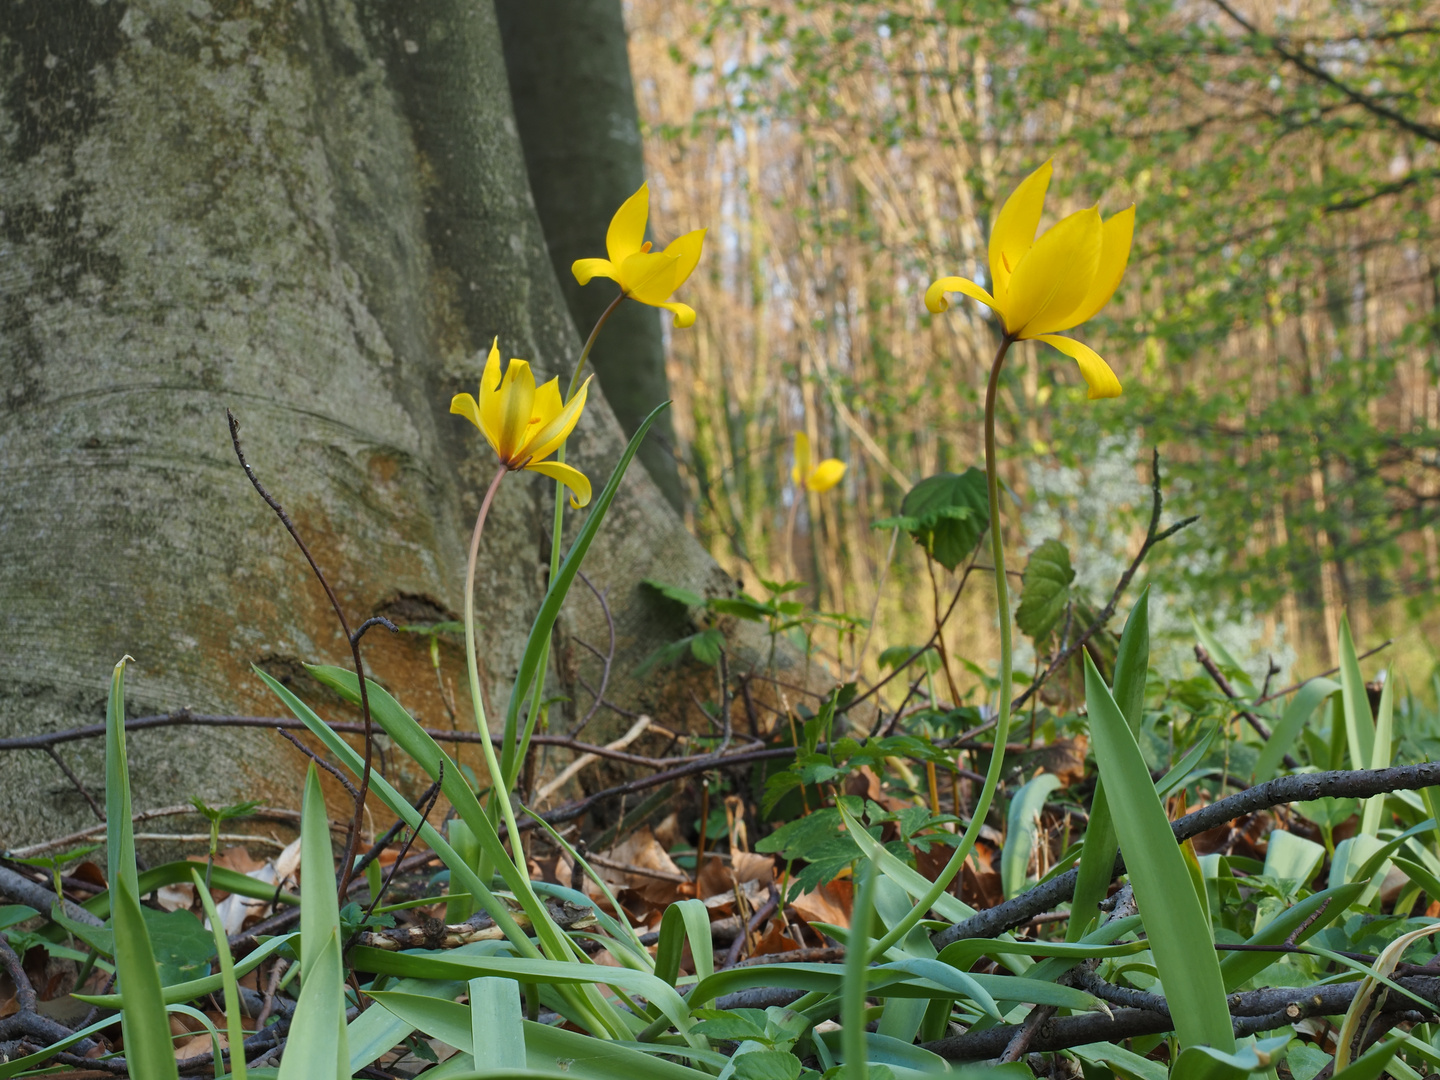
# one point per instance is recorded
(774, 941)
(748, 866)
(831, 903)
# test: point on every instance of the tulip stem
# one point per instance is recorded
(1002, 720)
(514, 763)
(499, 790)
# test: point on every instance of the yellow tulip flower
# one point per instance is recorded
(1054, 282)
(525, 424)
(648, 276)
(821, 478)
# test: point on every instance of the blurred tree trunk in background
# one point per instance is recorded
(318, 215)
(575, 106)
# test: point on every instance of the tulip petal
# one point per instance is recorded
(585, 269)
(517, 400)
(572, 478)
(826, 475)
(548, 439)
(937, 301)
(684, 314)
(650, 276)
(1054, 276)
(464, 405)
(548, 402)
(686, 250)
(490, 397)
(1096, 372)
(1014, 230)
(627, 228)
(1116, 235)
(801, 468)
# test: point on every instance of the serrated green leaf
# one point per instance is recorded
(1046, 590)
(946, 515)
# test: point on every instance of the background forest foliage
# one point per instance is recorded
(1277, 328)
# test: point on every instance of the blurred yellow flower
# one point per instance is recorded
(525, 424)
(821, 478)
(1054, 282)
(648, 276)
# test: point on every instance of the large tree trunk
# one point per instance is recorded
(318, 215)
(575, 105)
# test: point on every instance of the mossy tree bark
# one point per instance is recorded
(318, 215)
(575, 105)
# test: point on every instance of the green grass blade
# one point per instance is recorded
(1372, 817)
(1097, 857)
(853, 990)
(1359, 723)
(172, 873)
(1297, 714)
(235, 1034)
(1175, 923)
(120, 832)
(513, 754)
(148, 1048)
(188, 991)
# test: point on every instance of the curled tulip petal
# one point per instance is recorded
(626, 234)
(801, 468)
(571, 477)
(936, 300)
(826, 475)
(464, 405)
(1095, 371)
(1015, 226)
(684, 313)
(586, 269)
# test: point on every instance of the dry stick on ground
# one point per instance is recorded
(432, 796)
(352, 837)
(183, 717)
(187, 809)
(1261, 729)
(27, 1021)
(21, 889)
(1324, 674)
(1358, 783)
(1251, 1012)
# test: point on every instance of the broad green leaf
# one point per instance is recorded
(497, 1038)
(684, 597)
(946, 515)
(320, 906)
(235, 1034)
(1297, 714)
(146, 1026)
(1097, 858)
(1046, 590)
(1022, 824)
(1291, 858)
(1175, 922)
(549, 1050)
(1207, 1063)
(686, 920)
(120, 834)
(1372, 1064)
(1125, 1062)
(318, 1047)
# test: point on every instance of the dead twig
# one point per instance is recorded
(318, 760)
(1218, 676)
(85, 793)
(352, 837)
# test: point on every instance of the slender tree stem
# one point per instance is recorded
(499, 790)
(514, 764)
(1002, 721)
